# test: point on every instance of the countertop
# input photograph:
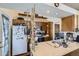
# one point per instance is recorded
(48, 49)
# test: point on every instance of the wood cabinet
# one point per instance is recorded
(47, 27)
(68, 23)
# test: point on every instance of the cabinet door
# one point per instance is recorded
(68, 23)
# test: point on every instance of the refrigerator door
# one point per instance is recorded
(19, 40)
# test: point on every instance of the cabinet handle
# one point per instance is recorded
(1, 46)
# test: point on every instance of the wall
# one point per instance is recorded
(0, 35)
(77, 21)
(12, 13)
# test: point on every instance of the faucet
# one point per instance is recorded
(64, 44)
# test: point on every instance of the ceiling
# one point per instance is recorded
(73, 5)
(40, 8)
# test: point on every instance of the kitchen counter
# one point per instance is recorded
(48, 49)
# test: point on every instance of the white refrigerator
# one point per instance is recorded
(19, 40)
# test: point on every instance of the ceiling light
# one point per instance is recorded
(56, 13)
(48, 11)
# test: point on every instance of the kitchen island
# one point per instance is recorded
(48, 49)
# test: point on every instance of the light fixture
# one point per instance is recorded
(47, 11)
(56, 13)
(56, 4)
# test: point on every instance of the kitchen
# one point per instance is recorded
(51, 30)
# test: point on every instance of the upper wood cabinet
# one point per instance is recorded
(68, 23)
